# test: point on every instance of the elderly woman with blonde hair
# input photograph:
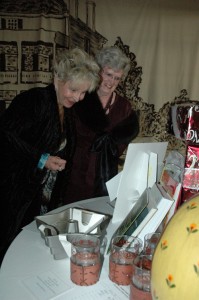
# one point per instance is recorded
(37, 143)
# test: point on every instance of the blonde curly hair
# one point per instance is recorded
(77, 66)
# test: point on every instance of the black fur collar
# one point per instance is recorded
(91, 112)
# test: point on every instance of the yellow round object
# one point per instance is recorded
(175, 265)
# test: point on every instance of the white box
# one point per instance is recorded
(139, 174)
(149, 212)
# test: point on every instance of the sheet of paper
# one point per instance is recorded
(133, 182)
(46, 286)
(104, 289)
(112, 186)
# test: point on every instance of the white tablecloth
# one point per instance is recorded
(29, 271)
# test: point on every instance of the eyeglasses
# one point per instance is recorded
(111, 76)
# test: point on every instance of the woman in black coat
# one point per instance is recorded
(105, 125)
(37, 144)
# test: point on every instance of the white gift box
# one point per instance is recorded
(141, 204)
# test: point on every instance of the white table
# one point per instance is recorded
(29, 272)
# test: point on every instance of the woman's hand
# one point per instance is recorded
(55, 163)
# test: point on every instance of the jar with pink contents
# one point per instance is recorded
(140, 287)
(123, 251)
(85, 259)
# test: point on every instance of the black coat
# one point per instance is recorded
(101, 140)
(28, 128)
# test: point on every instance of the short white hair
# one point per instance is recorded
(113, 58)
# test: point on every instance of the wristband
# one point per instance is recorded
(43, 160)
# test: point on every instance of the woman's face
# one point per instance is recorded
(68, 93)
(110, 80)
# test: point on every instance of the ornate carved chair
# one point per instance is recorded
(157, 124)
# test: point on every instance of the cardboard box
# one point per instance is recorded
(132, 187)
(149, 213)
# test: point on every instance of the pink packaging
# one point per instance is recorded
(191, 173)
(193, 125)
